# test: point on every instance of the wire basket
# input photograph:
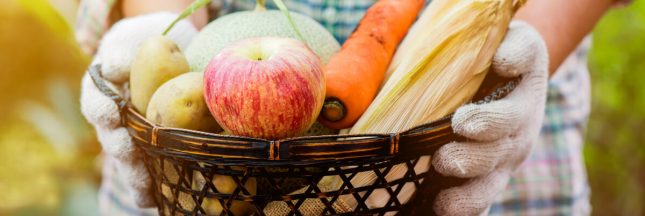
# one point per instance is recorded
(198, 173)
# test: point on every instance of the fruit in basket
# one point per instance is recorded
(265, 87)
(179, 103)
(259, 23)
(158, 60)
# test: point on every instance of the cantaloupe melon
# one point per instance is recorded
(248, 24)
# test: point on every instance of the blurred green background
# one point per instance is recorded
(49, 158)
(615, 145)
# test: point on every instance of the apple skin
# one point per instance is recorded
(269, 87)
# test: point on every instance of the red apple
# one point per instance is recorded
(266, 87)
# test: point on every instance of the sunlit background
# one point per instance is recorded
(49, 158)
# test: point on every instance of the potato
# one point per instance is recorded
(179, 103)
(158, 60)
(183, 198)
(226, 185)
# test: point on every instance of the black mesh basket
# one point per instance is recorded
(197, 173)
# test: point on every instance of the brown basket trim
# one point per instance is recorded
(333, 147)
(414, 142)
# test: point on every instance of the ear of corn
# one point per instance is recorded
(440, 64)
(437, 68)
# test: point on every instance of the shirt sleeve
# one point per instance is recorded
(93, 20)
(219, 8)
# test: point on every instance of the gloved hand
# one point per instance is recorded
(116, 52)
(502, 132)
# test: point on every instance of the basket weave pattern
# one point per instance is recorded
(290, 176)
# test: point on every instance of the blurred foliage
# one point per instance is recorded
(37, 45)
(615, 150)
(47, 151)
(26, 175)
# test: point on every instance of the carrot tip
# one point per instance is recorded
(333, 110)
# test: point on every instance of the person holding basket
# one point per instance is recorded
(525, 150)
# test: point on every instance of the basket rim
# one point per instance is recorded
(177, 142)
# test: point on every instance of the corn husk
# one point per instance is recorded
(440, 64)
(438, 67)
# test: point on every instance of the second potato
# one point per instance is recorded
(179, 103)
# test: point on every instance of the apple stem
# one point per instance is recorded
(333, 110)
(260, 6)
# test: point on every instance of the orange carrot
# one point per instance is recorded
(355, 74)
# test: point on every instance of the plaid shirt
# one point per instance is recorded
(552, 181)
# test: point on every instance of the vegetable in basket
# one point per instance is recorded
(354, 75)
(226, 185)
(158, 60)
(179, 103)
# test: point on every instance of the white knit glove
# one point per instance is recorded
(501, 133)
(115, 54)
